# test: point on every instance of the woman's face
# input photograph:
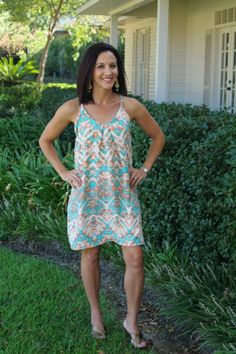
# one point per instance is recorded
(105, 71)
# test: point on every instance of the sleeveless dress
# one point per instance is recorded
(104, 208)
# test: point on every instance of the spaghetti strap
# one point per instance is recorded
(80, 112)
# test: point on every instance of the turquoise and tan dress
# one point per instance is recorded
(105, 208)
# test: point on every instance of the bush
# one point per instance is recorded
(18, 98)
(53, 96)
(60, 62)
(189, 195)
(188, 204)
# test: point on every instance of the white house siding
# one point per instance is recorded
(130, 29)
(189, 22)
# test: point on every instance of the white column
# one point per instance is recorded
(114, 31)
(161, 84)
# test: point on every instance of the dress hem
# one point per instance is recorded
(102, 243)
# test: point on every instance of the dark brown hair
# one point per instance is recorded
(86, 68)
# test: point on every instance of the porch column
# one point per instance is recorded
(114, 31)
(161, 84)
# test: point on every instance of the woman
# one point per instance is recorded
(103, 204)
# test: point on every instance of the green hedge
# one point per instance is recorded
(188, 205)
(18, 98)
(189, 197)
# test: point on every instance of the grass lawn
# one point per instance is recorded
(44, 309)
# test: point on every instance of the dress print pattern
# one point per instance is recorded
(104, 208)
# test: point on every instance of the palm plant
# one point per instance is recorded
(12, 74)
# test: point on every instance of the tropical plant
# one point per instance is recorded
(12, 74)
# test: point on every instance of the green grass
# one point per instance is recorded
(44, 309)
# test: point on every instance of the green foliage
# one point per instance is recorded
(195, 296)
(54, 95)
(187, 200)
(65, 52)
(85, 32)
(37, 13)
(189, 195)
(60, 61)
(12, 74)
(18, 98)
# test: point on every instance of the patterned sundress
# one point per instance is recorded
(104, 208)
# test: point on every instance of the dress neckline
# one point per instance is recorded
(114, 117)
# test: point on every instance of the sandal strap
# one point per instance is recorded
(97, 332)
(136, 337)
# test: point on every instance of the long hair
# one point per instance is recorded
(86, 68)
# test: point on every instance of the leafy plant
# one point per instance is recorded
(12, 74)
(19, 98)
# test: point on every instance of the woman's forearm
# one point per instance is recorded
(50, 152)
(154, 151)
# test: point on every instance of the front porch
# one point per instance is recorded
(179, 51)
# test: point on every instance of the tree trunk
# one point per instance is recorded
(43, 59)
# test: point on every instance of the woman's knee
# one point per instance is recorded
(133, 256)
(91, 254)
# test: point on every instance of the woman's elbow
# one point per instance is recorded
(43, 142)
(160, 137)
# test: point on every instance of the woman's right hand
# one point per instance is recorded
(72, 177)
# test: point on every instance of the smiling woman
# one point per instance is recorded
(103, 204)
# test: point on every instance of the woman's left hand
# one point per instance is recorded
(136, 176)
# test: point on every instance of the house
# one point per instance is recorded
(181, 51)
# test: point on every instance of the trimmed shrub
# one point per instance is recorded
(53, 96)
(189, 197)
(18, 98)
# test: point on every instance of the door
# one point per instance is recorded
(227, 89)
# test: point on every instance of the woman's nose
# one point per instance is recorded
(108, 70)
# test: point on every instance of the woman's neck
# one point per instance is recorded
(104, 98)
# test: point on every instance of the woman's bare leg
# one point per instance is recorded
(90, 273)
(134, 284)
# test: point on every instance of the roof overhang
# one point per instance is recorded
(146, 8)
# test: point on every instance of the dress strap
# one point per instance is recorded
(80, 111)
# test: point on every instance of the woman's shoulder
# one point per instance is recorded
(70, 108)
(130, 105)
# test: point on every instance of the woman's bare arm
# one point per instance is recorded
(143, 118)
(62, 118)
